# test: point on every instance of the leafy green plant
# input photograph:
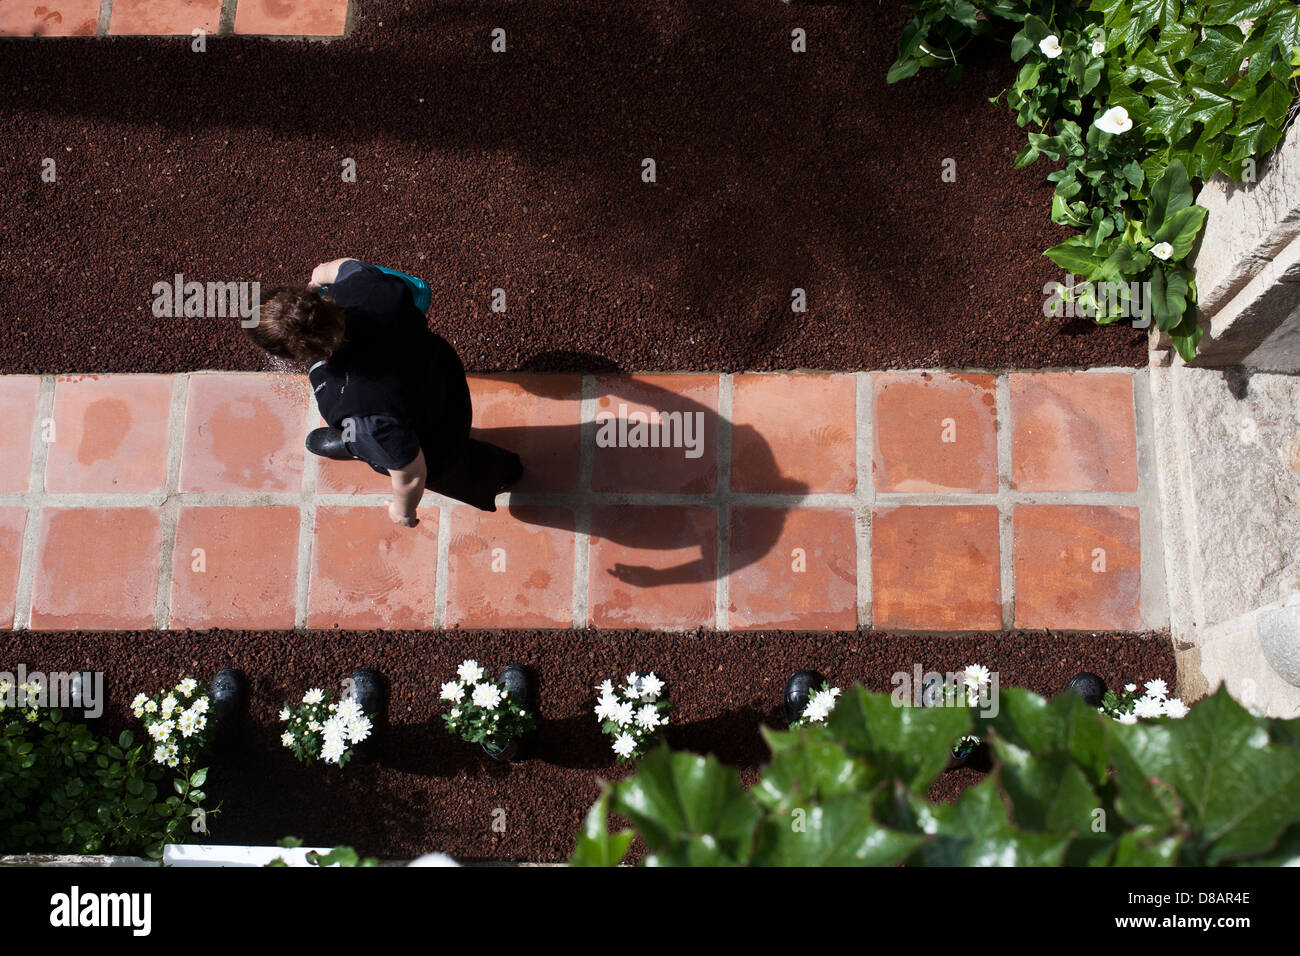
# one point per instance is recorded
(1139, 101)
(481, 710)
(344, 856)
(1069, 786)
(65, 789)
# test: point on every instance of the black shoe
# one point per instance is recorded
(229, 692)
(328, 443)
(368, 691)
(1088, 686)
(799, 689)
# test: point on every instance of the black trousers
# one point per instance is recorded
(478, 474)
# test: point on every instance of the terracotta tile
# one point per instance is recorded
(244, 433)
(936, 568)
(369, 573)
(1073, 431)
(794, 433)
(235, 567)
(311, 18)
(13, 521)
(794, 569)
(536, 416)
(97, 569)
(20, 397)
(653, 566)
(511, 569)
(633, 400)
(168, 18)
(1078, 567)
(934, 433)
(110, 434)
(49, 18)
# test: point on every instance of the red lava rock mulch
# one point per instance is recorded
(521, 171)
(433, 792)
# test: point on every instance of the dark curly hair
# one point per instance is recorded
(296, 322)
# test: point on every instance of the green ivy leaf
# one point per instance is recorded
(807, 767)
(901, 742)
(688, 808)
(1237, 788)
(837, 832)
(976, 831)
(596, 845)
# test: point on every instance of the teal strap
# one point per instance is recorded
(419, 288)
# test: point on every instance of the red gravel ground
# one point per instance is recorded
(521, 171)
(433, 792)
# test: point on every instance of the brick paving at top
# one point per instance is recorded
(907, 501)
(179, 18)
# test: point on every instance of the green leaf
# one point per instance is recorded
(1168, 293)
(688, 808)
(596, 846)
(1047, 793)
(807, 767)
(897, 741)
(976, 831)
(1237, 788)
(1076, 255)
(1147, 846)
(1181, 229)
(838, 832)
(1063, 724)
(1170, 193)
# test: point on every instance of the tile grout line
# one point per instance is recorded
(105, 22)
(443, 566)
(864, 493)
(25, 598)
(170, 508)
(1005, 503)
(582, 501)
(722, 464)
(306, 524)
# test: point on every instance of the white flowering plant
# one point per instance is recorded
(819, 706)
(1151, 703)
(632, 715)
(178, 722)
(968, 691)
(481, 710)
(319, 728)
(25, 705)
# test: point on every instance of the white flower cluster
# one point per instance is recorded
(320, 728)
(481, 709)
(1155, 702)
(819, 706)
(176, 721)
(634, 714)
(27, 699)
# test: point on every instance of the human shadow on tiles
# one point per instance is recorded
(631, 488)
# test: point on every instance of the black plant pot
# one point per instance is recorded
(370, 692)
(81, 687)
(507, 754)
(519, 684)
(1088, 686)
(799, 689)
(932, 696)
(229, 693)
